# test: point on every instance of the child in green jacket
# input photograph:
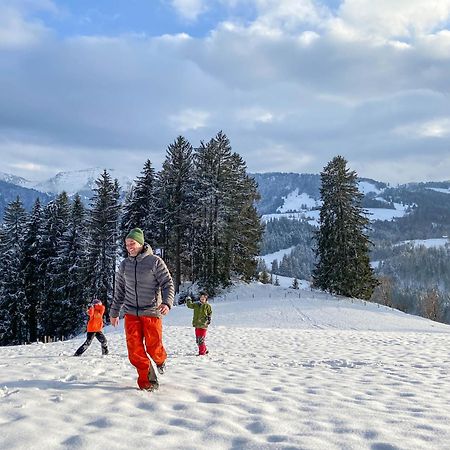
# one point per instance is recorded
(201, 320)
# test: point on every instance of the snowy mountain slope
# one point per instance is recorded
(296, 196)
(318, 384)
(267, 306)
(268, 259)
(312, 216)
(13, 179)
(296, 201)
(428, 243)
(442, 190)
(79, 181)
(9, 193)
(366, 186)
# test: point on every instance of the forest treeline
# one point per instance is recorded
(198, 213)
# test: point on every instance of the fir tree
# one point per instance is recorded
(275, 266)
(342, 243)
(176, 208)
(243, 231)
(102, 246)
(13, 304)
(50, 310)
(295, 284)
(72, 292)
(228, 229)
(31, 268)
(264, 278)
(140, 207)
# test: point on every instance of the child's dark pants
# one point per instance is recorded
(90, 336)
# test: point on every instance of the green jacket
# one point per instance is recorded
(202, 313)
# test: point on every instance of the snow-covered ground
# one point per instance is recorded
(268, 259)
(295, 201)
(443, 190)
(428, 243)
(287, 370)
(365, 187)
(312, 216)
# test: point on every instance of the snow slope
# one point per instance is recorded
(268, 259)
(428, 243)
(287, 370)
(312, 216)
(79, 180)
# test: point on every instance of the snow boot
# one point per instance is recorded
(161, 368)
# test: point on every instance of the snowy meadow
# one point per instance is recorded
(287, 369)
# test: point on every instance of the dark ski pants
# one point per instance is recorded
(90, 336)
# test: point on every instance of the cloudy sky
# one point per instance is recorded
(291, 82)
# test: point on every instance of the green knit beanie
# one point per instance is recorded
(136, 234)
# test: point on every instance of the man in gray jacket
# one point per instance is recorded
(144, 289)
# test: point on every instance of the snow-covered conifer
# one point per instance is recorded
(342, 243)
(102, 240)
(13, 304)
(176, 208)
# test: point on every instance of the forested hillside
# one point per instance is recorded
(406, 282)
(198, 213)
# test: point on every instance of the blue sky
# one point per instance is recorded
(291, 82)
(149, 17)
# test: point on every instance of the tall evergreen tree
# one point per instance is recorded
(342, 243)
(176, 207)
(72, 292)
(244, 229)
(212, 170)
(140, 207)
(50, 310)
(13, 306)
(228, 229)
(31, 268)
(102, 242)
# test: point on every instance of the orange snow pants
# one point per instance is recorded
(144, 338)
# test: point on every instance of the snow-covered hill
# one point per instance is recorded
(286, 370)
(18, 181)
(312, 216)
(78, 181)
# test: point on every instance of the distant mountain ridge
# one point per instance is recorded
(80, 182)
(292, 192)
(9, 193)
(17, 181)
(280, 192)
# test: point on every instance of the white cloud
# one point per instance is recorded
(283, 87)
(391, 19)
(405, 168)
(16, 31)
(290, 14)
(255, 114)
(436, 46)
(308, 37)
(189, 9)
(436, 128)
(28, 166)
(189, 119)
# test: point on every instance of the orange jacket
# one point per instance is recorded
(95, 318)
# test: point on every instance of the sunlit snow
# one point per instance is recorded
(287, 369)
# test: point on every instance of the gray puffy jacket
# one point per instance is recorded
(142, 284)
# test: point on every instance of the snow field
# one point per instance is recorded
(323, 384)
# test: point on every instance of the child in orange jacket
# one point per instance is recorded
(94, 328)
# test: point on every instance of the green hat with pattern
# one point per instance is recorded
(136, 234)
